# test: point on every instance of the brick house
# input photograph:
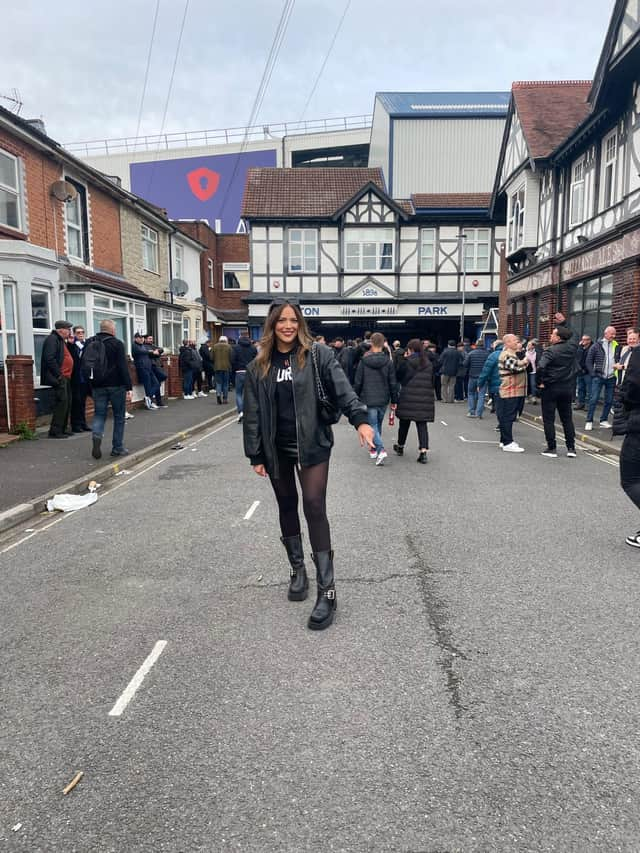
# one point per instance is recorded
(225, 278)
(568, 181)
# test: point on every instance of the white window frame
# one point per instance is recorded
(40, 331)
(298, 246)
(515, 225)
(81, 204)
(6, 331)
(149, 237)
(576, 192)
(358, 256)
(15, 191)
(609, 168)
(186, 328)
(179, 261)
(428, 237)
(210, 270)
(170, 330)
(475, 260)
(112, 308)
(235, 268)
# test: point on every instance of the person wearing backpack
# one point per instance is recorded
(107, 371)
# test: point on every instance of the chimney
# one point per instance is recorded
(37, 124)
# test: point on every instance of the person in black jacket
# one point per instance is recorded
(188, 367)
(451, 360)
(555, 376)
(56, 369)
(283, 431)
(142, 361)
(79, 386)
(629, 393)
(583, 380)
(417, 398)
(241, 356)
(207, 365)
(375, 384)
(115, 388)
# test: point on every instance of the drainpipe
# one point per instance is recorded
(6, 394)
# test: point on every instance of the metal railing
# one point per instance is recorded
(223, 136)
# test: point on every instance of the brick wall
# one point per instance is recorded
(231, 249)
(626, 298)
(105, 231)
(22, 407)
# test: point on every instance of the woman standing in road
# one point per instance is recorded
(283, 432)
(417, 398)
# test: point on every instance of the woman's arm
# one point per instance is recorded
(251, 432)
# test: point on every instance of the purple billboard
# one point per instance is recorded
(199, 187)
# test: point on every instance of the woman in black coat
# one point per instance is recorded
(283, 433)
(417, 398)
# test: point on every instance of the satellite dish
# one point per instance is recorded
(63, 191)
(178, 287)
(200, 300)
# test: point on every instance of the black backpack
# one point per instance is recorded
(94, 360)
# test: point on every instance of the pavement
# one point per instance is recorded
(477, 691)
(32, 471)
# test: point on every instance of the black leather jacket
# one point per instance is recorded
(314, 437)
(557, 365)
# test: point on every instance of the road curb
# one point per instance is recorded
(23, 512)
(582, 437)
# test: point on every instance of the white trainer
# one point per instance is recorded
(604, 425)
(381, 457)
(588, 426)
(513, 448)
(201, 394)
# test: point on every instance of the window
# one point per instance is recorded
(9, 191)
(590, 306)
(185, 329)
(75, 309)
(609, 157)
(179, 270)
(235, 276)
(8, 328)
(369, 249)
(77, 223)
(576, 213)
(210, 271)
(149, 249)
(40, 322)
(428, 250)
(476, 249)
(171, 322)
(303, 250)
(124, 314)
(516, 220)
(198, 329)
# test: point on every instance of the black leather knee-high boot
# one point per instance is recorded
(299, 583)
(324, 611)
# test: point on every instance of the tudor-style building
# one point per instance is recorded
(357, 259)
(569, 182)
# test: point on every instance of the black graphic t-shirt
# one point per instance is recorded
(286, 413)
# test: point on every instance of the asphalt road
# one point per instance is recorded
(479, 690)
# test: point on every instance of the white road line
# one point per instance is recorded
(254, 506)
(600, 458)
(444, 423)
(137, 680)
(477, 440)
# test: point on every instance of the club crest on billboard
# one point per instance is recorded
(199, 187)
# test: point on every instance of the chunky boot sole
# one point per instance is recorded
(320, 626)
(298, 595)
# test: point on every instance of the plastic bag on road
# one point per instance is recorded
(70, 503)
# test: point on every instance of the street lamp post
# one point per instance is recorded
(462, 238)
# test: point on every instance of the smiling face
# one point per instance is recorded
(286, 329)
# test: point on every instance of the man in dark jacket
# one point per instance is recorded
(154, 354)
(188, 366)
(583, 380)
(115, 388)
(142, 361)
(450, 361)
(242, 355)
(207, 365)
(79, 386)
(600, 359)
(376, 385)
(555, 376)
(221, 355)
(56, 369)
(473, 364)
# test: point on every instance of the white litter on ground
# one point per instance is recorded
(71, 503)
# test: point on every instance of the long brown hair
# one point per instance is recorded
(416, 346)
(268, 340)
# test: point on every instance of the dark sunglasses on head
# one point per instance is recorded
(284, 300)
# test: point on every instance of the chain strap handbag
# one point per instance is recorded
(327, 412)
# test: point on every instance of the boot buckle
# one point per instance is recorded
(331, 594)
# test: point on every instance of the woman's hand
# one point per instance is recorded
(365, 434)
(260, 470)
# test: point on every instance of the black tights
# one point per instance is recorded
(313, 481)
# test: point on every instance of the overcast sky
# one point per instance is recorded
(80, 66)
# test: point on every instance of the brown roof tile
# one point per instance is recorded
(451, 200)
(549, 111)
(314, 192)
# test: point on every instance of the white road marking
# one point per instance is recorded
(114, 489)
(137, 680)
(476, 440)
(607, 459)
(254, 506)
(444, 423)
